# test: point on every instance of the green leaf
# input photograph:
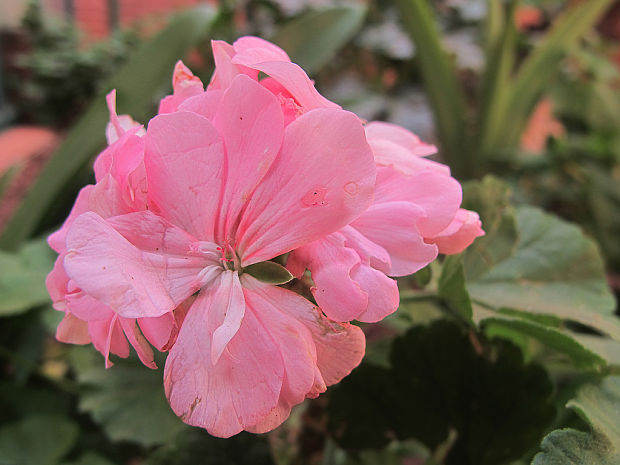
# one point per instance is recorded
(491, 199)
(500, 58)
(90, 458)
(452, 286)
(269, 272)
(137, 84)
(128, 401)
(22, 277)
(445, 382)
(195, 446)
(442, 85)
(600, 407)
(37, 440)
(552, 269)
(313, 39)
(556, 339)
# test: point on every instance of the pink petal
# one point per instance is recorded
(184, 84)
(118, 125)
(227, 311)
(368, 251)
(393, 226)
(57, 240)
(160, 331)
(388, 153)
(184, 164)
(238, 391)
(252, 126)
(400, 136)
(138, 342)
(108, 337)
(132, 282)
(321, 180)
(225, 70)
(272, 306)
(332, 264)
(436, 194)
(292, 78)
(72, 330)
(204, 104)
(465, 227)
(383, 296)
(339, 346)
(255, 50)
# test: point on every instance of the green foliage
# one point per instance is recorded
(443, 379)
(37, 440)
(129, 403)
(599, 406)
(22, 277)
(507, 97)
(197, 446)
(135, 95)
(313, 39)
(529, 276)
(61, 76)
(441, 84)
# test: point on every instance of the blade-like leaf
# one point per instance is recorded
(312, 40)
(541, 65)
(441, 83)
(137, 83)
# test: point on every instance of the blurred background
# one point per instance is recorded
(526, 91)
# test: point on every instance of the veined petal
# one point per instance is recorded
(108, 338)
(271, 305)
(72, 330)
(332, 265)
(394, 226)
(321, 180)
(400, 136)
(235, 393)
(292, 78)
(250, 121)
(438, 195)
(250, 49)
(184, 163)
(132, 282)
(459, 234)
(138, 342)
(227, 311)
(184, 85)
(382, 291)
(160, 331)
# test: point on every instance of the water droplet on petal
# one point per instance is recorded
(315, 197)
(351, 188)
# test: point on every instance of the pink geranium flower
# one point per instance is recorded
(414, 216)
(227, 187)
(120, 189)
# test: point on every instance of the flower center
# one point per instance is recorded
(229, 258)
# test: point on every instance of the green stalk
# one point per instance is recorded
(442, 85)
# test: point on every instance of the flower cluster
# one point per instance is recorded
(163, 250)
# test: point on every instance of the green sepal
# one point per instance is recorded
(269, 272)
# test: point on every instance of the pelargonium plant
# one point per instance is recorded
(182, 242)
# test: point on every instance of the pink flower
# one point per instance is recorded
(286, 80)
(414, 216)
(229, 185)
(120, 189)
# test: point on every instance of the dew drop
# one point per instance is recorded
(315, 197)
(351, 188)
